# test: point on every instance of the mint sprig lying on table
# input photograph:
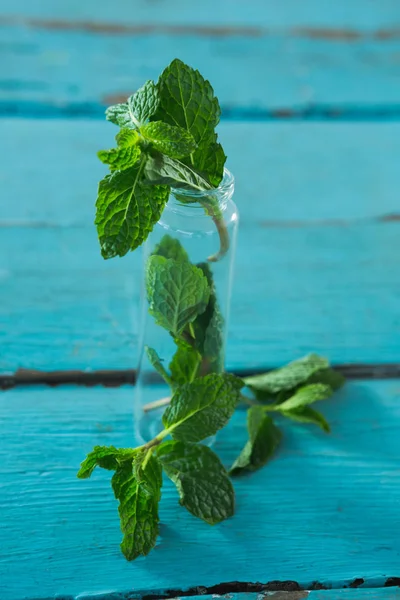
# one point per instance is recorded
(167, 138)
(182, 300)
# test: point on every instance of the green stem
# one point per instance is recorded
(212, 209)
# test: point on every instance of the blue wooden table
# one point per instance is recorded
(311, 99)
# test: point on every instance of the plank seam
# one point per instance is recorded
(310, 112)
(116, 378)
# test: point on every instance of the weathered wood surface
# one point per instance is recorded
(325, 511)
(318, 247)
(69, 68)
(356, 14)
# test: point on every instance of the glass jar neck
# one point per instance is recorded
(191, 202)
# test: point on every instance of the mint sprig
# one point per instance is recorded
(167, 139)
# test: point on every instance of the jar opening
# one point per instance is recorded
(195, 199)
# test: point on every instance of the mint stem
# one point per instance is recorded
(212, 209)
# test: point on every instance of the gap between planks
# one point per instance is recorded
(116, 378)
(309, 112)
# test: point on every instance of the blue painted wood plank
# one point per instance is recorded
(269, 73)
(349, 594)
(316, 248)
(326, 509)
(270, 13)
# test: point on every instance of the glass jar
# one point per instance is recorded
(200, 226)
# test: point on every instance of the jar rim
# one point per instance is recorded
(226, 186)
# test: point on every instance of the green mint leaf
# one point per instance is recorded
(170, 247)
(201, 480)
(157, 364)
(106, 457)
(199, 409)
(177, 292)
(305, 395)
(119, 115)
(127, 210)
(161, 169)
(138, 489)
(169, 139)
(264, 438)
(127, 153)
(307, 415)
(288, 377)
(187, 100)
(329, 377)
(138, 108)
(144, 103)
(185, 363)
(127, 137)
(209, 328)
(214, 164)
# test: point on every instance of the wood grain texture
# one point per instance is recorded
(79, 68)
(325, 510)
(348, 594)
(318, 248)
(358, 14)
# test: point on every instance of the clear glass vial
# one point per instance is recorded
(205, 224)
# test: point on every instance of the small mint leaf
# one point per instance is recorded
(144, 103)
(119, 115)
(170, 247)
(328, 377)
(305, 395)
(185, 363)
(157, 364)
(209, 328)
(127, 210)
(138, 490)
(288, 377)
(138, 108)
(177, 292)
(169, 139)
(127, 137)
(202, 482)
(163, 170)
(199, 409)
(120, 158)
(106, 457)
(308, 415)
(264, 438)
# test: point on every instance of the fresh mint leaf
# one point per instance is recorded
(214, 164)
(177, 292)
(138, 108)
(187, 100)
(201, 480)
(125, 155)
(199, 409)
(155, 361)
(173, 141)
(288, 377)
(209, 327)
(127, 210)
(138, 489)
(329, 377)
(170, 247)
(161, 169)
(106, 457)
(127, 137)
(264, 438)
(185, 363)
(308, 415)
(306, 395)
